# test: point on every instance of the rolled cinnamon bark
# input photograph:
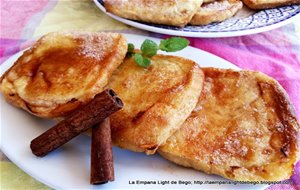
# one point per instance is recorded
(99, 108)
(102, 166)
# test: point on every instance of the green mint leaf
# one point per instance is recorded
(141, 61)
(138, 58)
(173, 44)
(130, 48)
(149, 48)
(146, 61)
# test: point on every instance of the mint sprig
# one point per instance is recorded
(130, 50)
(141, 60)
(173, 44)
(149, 48)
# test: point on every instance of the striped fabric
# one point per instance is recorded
(276, 53)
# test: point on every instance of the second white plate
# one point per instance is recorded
(245, 22)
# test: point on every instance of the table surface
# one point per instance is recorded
(276, 53)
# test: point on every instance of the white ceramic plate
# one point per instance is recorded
(245, 22)
(69, 166)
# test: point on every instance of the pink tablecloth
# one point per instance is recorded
(276, 53)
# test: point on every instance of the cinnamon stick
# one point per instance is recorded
(103, 105)
(102, 168)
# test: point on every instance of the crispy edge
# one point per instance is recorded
(194, 79)
(287, 115)
(217, 16)
(56, 112)
(253, 4)
(13, 98)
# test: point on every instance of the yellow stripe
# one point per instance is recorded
(77, 15)
(13, 178)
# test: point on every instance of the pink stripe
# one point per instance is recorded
(18, 13)
(9, 47)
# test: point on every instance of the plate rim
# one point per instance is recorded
(245, 32)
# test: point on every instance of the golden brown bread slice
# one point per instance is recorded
(62, 71)
(266, 4)
(216, 11)
(243, 128)
(168, 12)
(157, 100)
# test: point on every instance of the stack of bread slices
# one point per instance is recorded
(182, 12)
(236, 124)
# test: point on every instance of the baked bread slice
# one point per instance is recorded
(168, 12)
(157, 100)
(266, 4)
(243, 128)
(63, 71)
(216, 11)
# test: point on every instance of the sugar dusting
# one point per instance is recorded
(97, 45)
(90, 45)
(216, 5)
